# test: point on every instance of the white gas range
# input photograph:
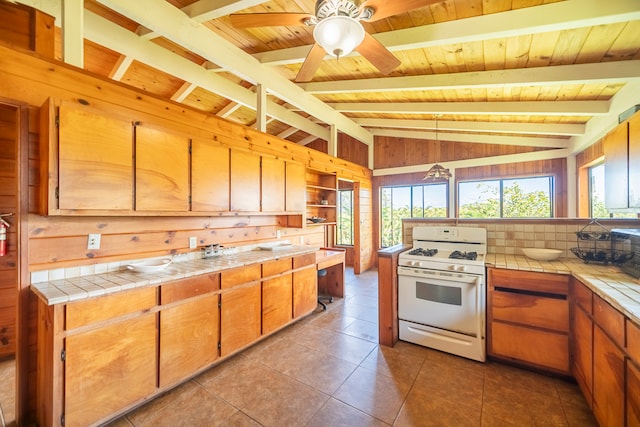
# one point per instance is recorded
(442, 290)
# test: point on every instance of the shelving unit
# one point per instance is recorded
(321, 198)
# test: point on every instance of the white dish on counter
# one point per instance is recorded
(541, 254)
(150, 266)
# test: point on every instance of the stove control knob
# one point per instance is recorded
(462, 268)
(417, 263)
(453, 267)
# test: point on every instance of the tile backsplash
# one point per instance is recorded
(508, 237)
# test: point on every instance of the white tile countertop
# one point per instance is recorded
(77, 288)
(619, 289)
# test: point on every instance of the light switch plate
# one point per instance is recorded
(278, 234)
(193, 242)
(94, 241)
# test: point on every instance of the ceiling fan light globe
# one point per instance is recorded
(338, 35)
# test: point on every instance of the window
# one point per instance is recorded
(345, 217)
(416, 201)
(506, 198)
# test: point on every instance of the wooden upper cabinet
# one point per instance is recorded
(634, 161)
(93, 160)
(162, 170)
(209, 176)
(245, 181)
(295, 185)
(616, 172)
(272, 192)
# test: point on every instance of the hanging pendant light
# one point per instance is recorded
(437, 172)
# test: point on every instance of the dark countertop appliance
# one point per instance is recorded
(631, 266)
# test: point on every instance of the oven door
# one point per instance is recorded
(451, 301)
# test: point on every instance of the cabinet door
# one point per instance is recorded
(633, 394)
(608, 380)
(188, 338)
(245, 181)
(276, 303)
(634, 161)
(295, 187)
(616, 176)
(583, 352)
(162, 170)
(273, 185)
(305, 291)
(240, 318)
(209, 177)
(95, 160)
(109, 369)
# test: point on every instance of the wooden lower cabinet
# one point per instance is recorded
(109, 369)
(240, 318)
(305, 291)
(277, 303)
(608, 380)
(633, 394)
(188, 338)
(583, 353)
(528, 319)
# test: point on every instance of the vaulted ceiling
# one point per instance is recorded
(547, 73)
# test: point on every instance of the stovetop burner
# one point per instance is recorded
(472, 256)
(423, 252)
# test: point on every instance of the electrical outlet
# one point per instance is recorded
(278, 234)
(193, 242)
(94, 241)
(302, 240)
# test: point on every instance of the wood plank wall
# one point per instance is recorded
(9, 204)
(349, 149)
(392, 152)
(61, 241)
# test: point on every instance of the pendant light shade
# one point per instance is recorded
(338, 35)
(437, 172)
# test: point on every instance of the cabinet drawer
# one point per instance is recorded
(190, 287)
(541, 348)
(109, 306)
(633, 341)
(609, 319)
(302, 260)
(238, 276)
(531, 310)
(583, 296)
(530, 281)
(275, 267)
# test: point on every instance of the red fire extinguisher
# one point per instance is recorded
(3, 235)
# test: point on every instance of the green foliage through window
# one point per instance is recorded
(417, 201)
(506, 198)
(345, 217)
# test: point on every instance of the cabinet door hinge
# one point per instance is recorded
(57, 192)
(219, 346)
(57, 121)
(63, 355)
(62, 419)
(219, 304)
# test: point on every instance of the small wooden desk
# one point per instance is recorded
(332, 260)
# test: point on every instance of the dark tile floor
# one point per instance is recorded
(328, 370)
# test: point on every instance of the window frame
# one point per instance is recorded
(339, 216)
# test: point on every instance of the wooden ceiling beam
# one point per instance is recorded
(564, 15)
(525, 141)
(175, 26)
(491, 127)
(73, 32)
(536, 108)
(206, 10)
(602, 72)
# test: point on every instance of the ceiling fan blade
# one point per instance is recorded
(277, 19)
(377, 54)
(311, 64)
(385, 8)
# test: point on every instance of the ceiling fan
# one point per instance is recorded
(338, 29)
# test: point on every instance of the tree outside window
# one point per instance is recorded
(345, 217)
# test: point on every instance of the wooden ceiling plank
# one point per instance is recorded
(107, 34)
(496, 127)
(542, 19)
(606, 72)
(172, 24)
(548, 108)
